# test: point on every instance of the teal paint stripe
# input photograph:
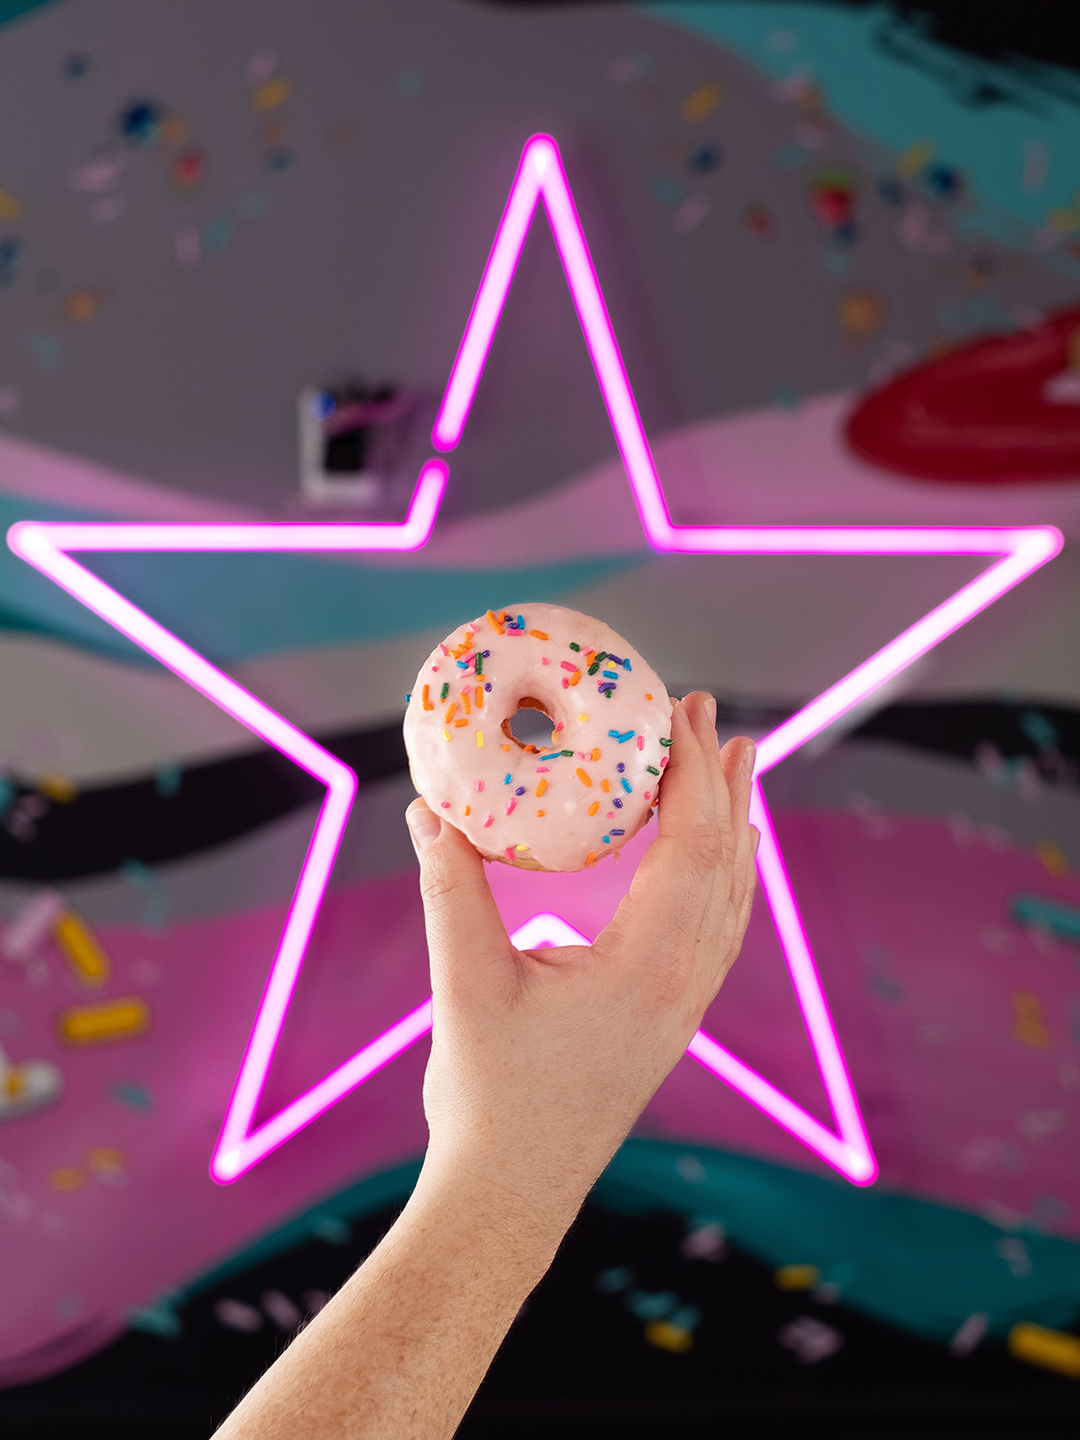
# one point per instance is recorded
(897, 104)
(233, 607)
(29, 602)
(328, 1220)
(15, 9)
(908, 1262)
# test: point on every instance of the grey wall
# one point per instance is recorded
(404, 128)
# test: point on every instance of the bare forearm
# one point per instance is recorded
(540, 1062)
(401, 1349)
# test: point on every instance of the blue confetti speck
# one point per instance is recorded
(666, 190)
(44, 349)
(409, 83)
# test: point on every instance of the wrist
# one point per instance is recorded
(496, 1207)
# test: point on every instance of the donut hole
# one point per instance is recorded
(530, 725)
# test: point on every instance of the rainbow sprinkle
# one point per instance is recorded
(606, 668)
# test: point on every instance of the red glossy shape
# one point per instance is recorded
(1003, 410)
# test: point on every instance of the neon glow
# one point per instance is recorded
(49, 547)
(546, 932)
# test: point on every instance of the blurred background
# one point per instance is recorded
(840, 249)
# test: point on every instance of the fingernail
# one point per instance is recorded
(710, 709)
(424, 826)
(755, 842)
(749, 755)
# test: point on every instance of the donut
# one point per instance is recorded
(580, 796)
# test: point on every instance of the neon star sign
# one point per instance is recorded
(1016, 553)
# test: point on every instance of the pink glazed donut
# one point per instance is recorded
(563, 805)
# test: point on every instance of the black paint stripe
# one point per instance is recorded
(223, 800)
(217, 802)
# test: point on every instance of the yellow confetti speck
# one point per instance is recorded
(666, 1336)
(702, 102)
(479, 739)
(57, 787)
(87, 958)
(67, 1177)
(584, 719)
(913, 159)
(797, 1277)
(861, 313)
(111, 1020)
(1052, 857)
(80, 306)
(1028, 1027)
(11, 210)
(108, 1161)
(1052, 1349)
(272, 94)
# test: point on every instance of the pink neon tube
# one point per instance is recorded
(1018, 551)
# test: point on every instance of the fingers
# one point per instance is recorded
(670, 891)
(724, 920)
(691, 896)
(464, 927)
(689, 789)
(737, 760)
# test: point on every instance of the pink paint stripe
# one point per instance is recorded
(234, 1157)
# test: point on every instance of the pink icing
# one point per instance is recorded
(564, 835)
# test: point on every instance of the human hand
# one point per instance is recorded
(542, 1060)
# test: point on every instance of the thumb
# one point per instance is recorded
(464, 928)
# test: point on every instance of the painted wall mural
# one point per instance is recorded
(847, 330)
